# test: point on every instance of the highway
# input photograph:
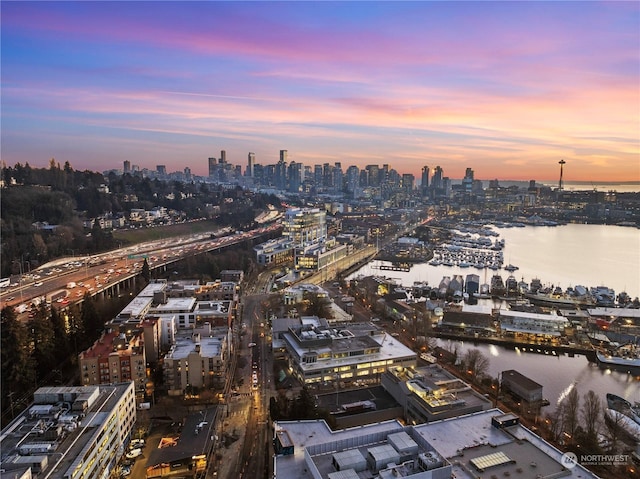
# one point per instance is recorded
(98, 273)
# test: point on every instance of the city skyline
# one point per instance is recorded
(509, 89)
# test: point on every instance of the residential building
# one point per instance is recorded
(117, 356)
(77, 432)
(198, 360)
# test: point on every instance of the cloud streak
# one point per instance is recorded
(494, 86)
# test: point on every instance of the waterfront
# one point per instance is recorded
(557, 374)
(568, 255)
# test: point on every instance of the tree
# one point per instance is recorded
(91, 322)
(146, 271)
(42, 337)
(475, 363)
(591, 408)
(60, 335)
(304, 406)
(570, 412)
(318, 305)
(17, 364)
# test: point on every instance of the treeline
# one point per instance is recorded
(64, 197)
(44, 349)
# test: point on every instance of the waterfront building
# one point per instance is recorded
(317, 256)
(521, 386)
(70, 432)
(430, 393)
(471, 319)
(117, 356)
(197, 360)
(543, 326)
(320, 353)
(483, 444)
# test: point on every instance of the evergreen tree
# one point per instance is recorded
(18, 372)
(92, 323)
(42, 337)
(60, 335)
(146, 271)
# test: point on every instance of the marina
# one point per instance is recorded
(555, 266)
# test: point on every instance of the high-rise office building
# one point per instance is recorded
(353, 180)
(407, 182)
(467, 181)
(161, 170)
(223, 157)
(374, 175)
(424, 184)
(317, 176)
(295, 177)
(436, 180)
(337, 177)
(126, 166)
(251, 161)
(212, 166)
(281, 171)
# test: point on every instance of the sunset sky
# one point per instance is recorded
(508, 89)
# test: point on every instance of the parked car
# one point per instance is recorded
(133, 453)
(136, 443)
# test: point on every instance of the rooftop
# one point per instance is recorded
(194, 439)
(27, 429)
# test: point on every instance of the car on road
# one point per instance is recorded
(133, 453)
(39, 283)
(251, 345)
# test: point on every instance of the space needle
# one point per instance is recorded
(561, 163)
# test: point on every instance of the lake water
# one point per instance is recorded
(557, 374)
(568, 255)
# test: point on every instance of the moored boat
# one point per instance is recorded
(625, 357)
